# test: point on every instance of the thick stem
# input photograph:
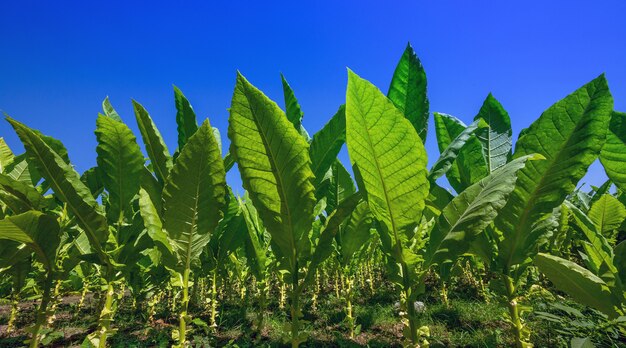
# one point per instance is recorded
(295, 309)
(410, 308)
(444, 294)
(106, 316)
(348, 298)
(15, 300)
(514, 312)
(42, 312)
(82, 297)
(262, 304)
(182, 321)
(214, 299)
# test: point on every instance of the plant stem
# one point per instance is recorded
(348, 297)
(514, 312)
(106, 316)
(214, 299)
(42, 312)
(183, 310)
(295, 309)
(410, 308)
(15, 300)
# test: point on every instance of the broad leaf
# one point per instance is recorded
(155, 146)
(193, 196)
(613, 155)
(121, 162)
(274, 164)
(38, 231)
(67, 186)
(497, 138)
(389, 160)
(185, 118)
(584, 286)
(469, 166)
(469, 213)
(327, 143)
(569, 135)
(608, 214)
(408, 91)
(6, 155)
(447, 157)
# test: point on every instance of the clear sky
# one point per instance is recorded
(58, 60)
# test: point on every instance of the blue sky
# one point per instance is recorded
(58, 60)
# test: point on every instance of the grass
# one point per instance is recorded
(464, 323)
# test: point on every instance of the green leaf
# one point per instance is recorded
(327, 143)
(469, 166)
(38, 231)
(408, 91)
(356, 233)
(584, 286)
(193, 196)
(92, 178)
(109, 111)
(6, 155)
(256, 250)
(66, 184)
(323, 249)
(152, 222)
(497, 138)
(613, 154)
(155, 146)
(121, 162)
(569, 135)
(599, 247)
(619, 260)
(185, 118)
(293, 111)
(389, 160)
(469, 213)
(274, 164)
(340, 186)
(447, 157)
(608, 214)
(22, 191)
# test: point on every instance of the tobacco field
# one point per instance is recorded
(496, 243)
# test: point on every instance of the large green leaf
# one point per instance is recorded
(293, 111)
(185, 118)
(613, 154)
(356, 232)
(389, 160)
(155, 146)
(6, 155)
(598, 247)
(619, 260)
(26, 193)
(327, 143)
(608, 214)
(469, 213)
(408, 91)
(67, 186)
(497, 138)
(584, 286)
(38, 231)
(274, 164)
(340, 186)
(469, 166)
(109, 111)
(121, 162)
(193, 196)
(447, 157)
(569, 135)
